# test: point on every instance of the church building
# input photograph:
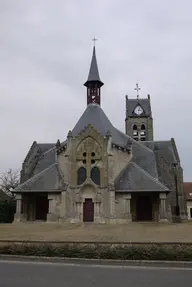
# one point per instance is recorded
(101, 174)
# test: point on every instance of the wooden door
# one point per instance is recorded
(88, 210)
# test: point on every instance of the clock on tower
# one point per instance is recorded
(138, 110)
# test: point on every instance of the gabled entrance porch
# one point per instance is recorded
(32, 207)
(148, 206)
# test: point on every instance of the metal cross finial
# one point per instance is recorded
(137, 89)
(94, 40)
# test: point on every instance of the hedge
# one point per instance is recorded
(175, 252)
(7, 211)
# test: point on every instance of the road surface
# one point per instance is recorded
(37, 274)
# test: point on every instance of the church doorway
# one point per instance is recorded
(144, 208)
(88, 210)
(42, 207)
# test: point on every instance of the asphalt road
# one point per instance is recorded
(31, 274)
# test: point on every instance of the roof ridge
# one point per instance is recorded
(150, 176)
(45, 143)
(156, 141)
(135, 99)
(36, 175)
(52, 148)
(121, 172)
(138, 143)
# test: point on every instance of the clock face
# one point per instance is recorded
(138, 110)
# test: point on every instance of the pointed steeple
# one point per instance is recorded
(93, 82)
(93, 71)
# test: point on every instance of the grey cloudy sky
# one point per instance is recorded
(45, 52)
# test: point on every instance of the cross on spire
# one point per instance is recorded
(137, 89)
(93, 82)
(94, 40)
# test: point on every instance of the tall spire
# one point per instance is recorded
(93, 82)
(93, 71)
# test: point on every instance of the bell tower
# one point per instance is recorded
(139, 121)
(93, 82)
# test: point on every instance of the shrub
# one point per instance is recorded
(177, 252)
(7, 211)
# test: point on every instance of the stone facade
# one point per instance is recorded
(100, 174)
(133, 119)
(109, 206)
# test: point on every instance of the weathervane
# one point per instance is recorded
(94, 40)
(137, 89)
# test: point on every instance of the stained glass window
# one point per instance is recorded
(95, 175)
(81, 175)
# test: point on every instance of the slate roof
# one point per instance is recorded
(134, 178)
(45, 146)
(144, 161)
(164, 157)
(46, 159)
(144, 103)
(93, 72)
(47, 180)
(95, 116)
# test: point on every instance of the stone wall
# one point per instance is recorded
(54, 206)
(147, 121)
(111, 160)
(123, 208)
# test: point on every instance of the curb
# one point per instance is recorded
(104, 262)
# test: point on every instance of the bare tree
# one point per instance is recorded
(9, 180)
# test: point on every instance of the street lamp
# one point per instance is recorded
(177, 209)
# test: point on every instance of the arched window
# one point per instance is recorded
(81, 175)
(135, 132)
(142, 127)
(95, 175)
(143, 133)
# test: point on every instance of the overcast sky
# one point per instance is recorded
(45, 53)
